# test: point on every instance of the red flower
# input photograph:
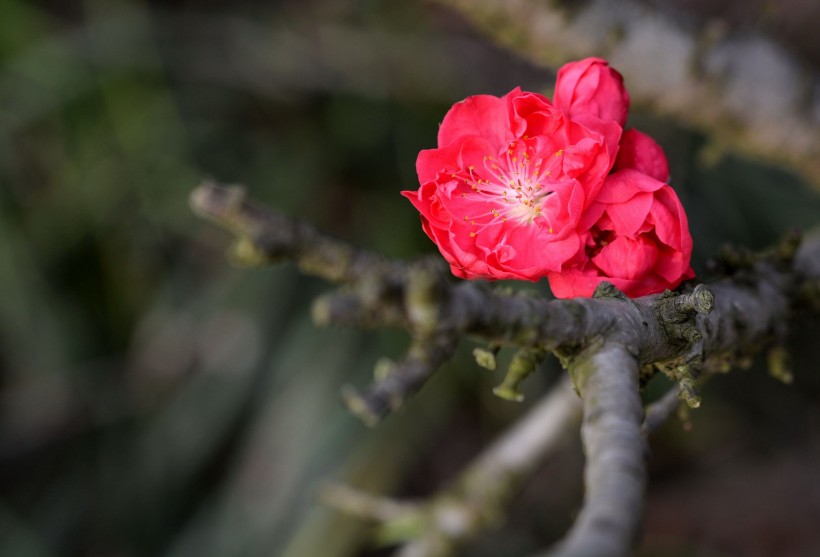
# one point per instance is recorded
(590, 86)
(504, 191)
(635, 236)
(521, 188)
(641, 152)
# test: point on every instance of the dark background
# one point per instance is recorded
(155, 400)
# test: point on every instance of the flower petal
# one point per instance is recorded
(627, 258)
(485, 116)
(590, 86)
(640, 152)
(622, 185)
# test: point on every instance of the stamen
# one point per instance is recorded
(517, 172)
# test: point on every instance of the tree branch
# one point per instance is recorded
(441, 525)
(484, 488)
(615, 473)
(396, 381)
(659, 411)
(604, 341)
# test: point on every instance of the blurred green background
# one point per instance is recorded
(156, 401)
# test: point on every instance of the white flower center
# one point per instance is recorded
(517, 183)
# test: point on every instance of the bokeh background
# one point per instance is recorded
(155, 400)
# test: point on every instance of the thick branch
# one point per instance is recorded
(415, 295)
(751, 307)
(615, 474)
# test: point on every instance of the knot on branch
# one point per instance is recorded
(677, 313)
(606, 289)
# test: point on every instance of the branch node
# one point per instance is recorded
(522, 365)
(359, 405)
(677, 312)
(606, 289)
(321, 311)
(778, 362)
(245, 253)
(422, 299)
(217, 202)
(689, 393)
(485, 357)
(686, 376)
(383, 368)
(396, 381)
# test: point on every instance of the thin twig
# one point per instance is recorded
(659, 411)
(364, 505)
(485, 487)
(400, 380)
